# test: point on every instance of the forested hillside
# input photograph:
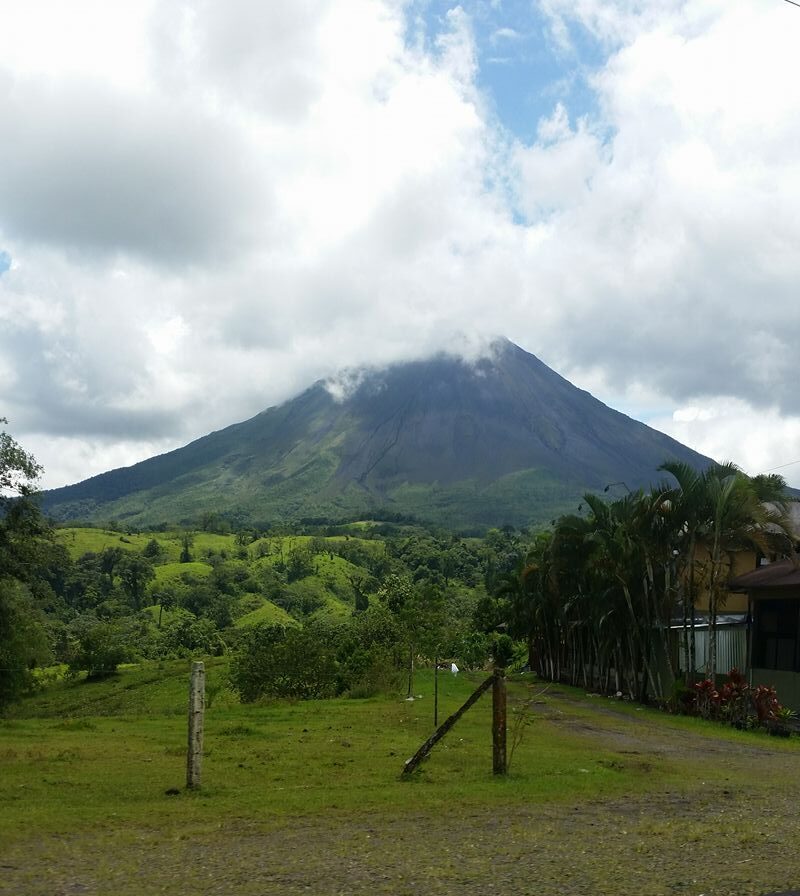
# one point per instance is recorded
(378, 592)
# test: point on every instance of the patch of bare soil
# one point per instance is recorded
(730, 844)
(621, 730)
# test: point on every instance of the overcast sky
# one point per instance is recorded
(206, 205)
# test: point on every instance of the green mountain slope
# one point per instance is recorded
(503, 440)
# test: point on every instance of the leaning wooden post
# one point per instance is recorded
(197, 705)
(499, 721)
(446, 725)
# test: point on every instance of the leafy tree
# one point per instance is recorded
(186, 548)
(99, 650)
(109, 559)
(295, 663)
(135, 571)
(204, 600)
(85, 586)
(368, 655)
(153, 550)
(419, 614)
(299, 564)
(188, 634)
(167, 596)
(23, 640)
(18, 469)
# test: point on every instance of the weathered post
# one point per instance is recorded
(436, 692)
(499, 721)
(197, 705)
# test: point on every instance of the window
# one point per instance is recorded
(775, 635)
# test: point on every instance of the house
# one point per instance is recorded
(773, 598)
(732, 622)
(757, 626)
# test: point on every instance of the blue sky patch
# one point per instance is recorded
(520, 68)
(5, 262)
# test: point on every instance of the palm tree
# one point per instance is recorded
(600, 592)
(714, 514)
(611, 571)
(689, 513)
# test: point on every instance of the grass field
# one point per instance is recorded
(307, 798)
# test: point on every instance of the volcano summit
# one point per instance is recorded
(463, 444)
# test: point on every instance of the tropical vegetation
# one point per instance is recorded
(596, 597)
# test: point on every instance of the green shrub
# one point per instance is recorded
(297, 663)
(99, 650)
(322, 659)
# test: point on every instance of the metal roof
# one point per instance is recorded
(723, 619)
(781, 574)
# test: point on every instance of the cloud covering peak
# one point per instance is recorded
(210, 206)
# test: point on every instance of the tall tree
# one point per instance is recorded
(135, 572)
(23, 641)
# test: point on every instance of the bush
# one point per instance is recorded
(322, 659)
(99, 650)
(297, 663)
(736, 702)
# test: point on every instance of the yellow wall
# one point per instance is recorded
(740, 562)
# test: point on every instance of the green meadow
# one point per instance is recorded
(601, 796)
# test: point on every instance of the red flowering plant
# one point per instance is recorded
(707, 699)
(736, 702)
(735, 699)
(765, 703)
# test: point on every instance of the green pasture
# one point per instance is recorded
(268, 613)
(83, 750)
(80, 540)
(169, 573)
(602, 797)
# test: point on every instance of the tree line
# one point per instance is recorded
(596, 597)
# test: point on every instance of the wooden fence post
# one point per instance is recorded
(436, 692)
(499, 722)
(197, 705)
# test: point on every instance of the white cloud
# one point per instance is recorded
(758, 440)
(85, 39)
(209, 206)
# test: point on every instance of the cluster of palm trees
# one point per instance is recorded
(597, 597)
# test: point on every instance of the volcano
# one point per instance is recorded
(461, 444)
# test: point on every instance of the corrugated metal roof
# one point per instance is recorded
(723, 619)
